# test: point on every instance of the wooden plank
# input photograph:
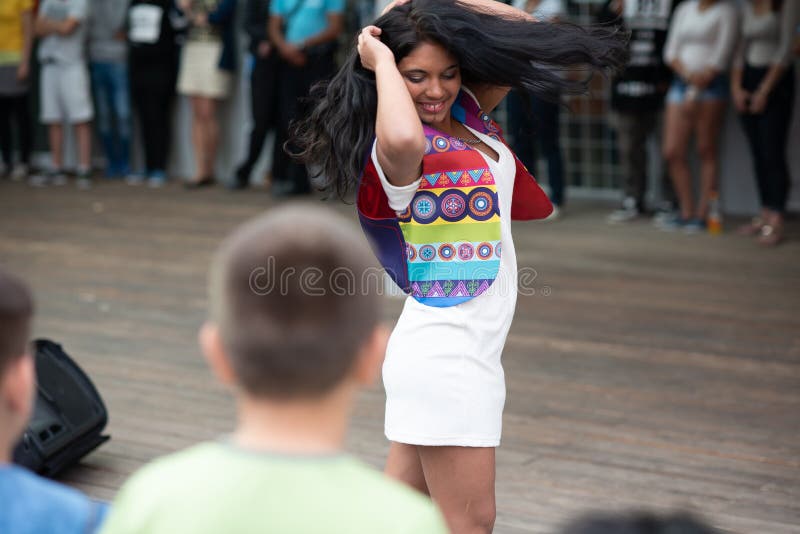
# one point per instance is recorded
(646, 369)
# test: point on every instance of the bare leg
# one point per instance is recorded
(206, 137)
(83, 133)
(404, 464)
(56, 137)
(212, 135)
(461, 482)
(198, 136)
(709, 122)
(677, 128)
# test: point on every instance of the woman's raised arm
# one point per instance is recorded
(398, 128)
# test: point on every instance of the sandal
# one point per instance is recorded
(770, 235)
(199, 182)
(752, 228)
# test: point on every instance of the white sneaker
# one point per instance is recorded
(38, 180)
(83, 179)
(19, 172)
(134, 179)
(628, 212)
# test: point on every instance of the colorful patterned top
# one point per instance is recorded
(445, 248)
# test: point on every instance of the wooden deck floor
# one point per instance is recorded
(649, 369)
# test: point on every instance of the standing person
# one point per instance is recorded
(264, 83)
(435, 197)
(109, 74)
(16, 41)
(763, 93)
(155, 28)
(534, 122)
(637, 94)
(206, 76)
(699, 47)
(65, 95)
(304, 33)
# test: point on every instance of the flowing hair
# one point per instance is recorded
(335, 137)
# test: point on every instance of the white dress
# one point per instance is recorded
(443, 376)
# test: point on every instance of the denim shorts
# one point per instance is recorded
(718, 89)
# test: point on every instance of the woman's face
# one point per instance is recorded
(433, 78)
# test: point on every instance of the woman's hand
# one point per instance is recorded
(702, 79)
(371, 50)
(758, 101)
(741, 99)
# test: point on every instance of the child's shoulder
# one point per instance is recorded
(38, 503)
(381, 498)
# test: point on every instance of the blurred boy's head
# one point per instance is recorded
(289, 311)
(17, 373)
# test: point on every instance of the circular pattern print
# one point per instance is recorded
(481, 203)
(497, 249)
(485, 251)
(454, 205)
(440, 144)
(424, 208)
(466, 251)
(447, 251)
(427, 252)
(411, 251)
(458, 144)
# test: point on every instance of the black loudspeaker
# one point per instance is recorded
(69, 416)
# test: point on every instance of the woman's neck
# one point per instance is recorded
(761, 7)
(705, 4)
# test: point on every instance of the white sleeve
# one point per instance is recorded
(671, 47)
(78, 10)
(399, 196)
(720, 57)
(789, 18)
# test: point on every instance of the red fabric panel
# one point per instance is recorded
(530, 202)
(372, 201)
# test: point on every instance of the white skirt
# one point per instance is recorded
(443, 376)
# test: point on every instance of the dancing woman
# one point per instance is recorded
(406, 120)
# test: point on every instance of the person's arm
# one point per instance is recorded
(223, 13)
(671, 46)
(400, 138)
(780, 61)
(724, 44)
(330, 33)
(740, 96)
(287, 50)
(27, 45)
(45, 26)
(255, 26)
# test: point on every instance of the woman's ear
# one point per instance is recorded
(214, 352)
(368, 364)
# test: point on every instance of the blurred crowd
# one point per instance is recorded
(98, 64)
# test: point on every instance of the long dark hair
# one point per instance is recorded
(334, 138)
